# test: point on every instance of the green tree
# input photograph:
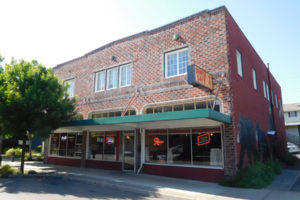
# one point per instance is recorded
(32, 101)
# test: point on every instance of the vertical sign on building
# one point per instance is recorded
(199, 78)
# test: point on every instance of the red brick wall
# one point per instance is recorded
(247, 101)
(64, 161)
(203, 174)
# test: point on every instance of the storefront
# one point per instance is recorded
(188, 140)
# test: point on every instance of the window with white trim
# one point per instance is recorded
(112, 78)
(268, 92)
(292, 114)
(254, 78)
(276, 99)
(176, 62)
(71, 86)
(265, 89)
(125, 75)
(100, 81)
(239, 63)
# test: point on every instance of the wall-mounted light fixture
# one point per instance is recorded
(175, 36)
(113, 58)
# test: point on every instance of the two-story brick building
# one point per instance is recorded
(170, 127)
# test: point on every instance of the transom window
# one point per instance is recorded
(176, 62)
(111, 114)
(183, 106)
(71, 85)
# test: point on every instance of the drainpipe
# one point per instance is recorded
(142, 132)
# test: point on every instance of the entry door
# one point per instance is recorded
(129, 143)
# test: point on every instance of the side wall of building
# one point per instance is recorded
(252, 116)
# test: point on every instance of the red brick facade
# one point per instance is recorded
(211, 38)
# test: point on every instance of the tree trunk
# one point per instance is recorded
(23, 155)
(30, 146)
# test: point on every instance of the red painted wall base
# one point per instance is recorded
(64, 161)
(98, 164)
(203, 174)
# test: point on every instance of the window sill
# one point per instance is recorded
(169, 77)
(185, 165)
(68, 157)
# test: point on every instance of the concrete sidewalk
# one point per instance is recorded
(165, 187)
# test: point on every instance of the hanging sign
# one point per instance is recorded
(110, 140)
(203, 139)
(199, 78)
(157, 141)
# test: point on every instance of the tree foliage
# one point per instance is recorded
(32, 100)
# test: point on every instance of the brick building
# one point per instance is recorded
(172, 126)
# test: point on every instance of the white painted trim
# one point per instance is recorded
(76, 158)
(182, 165)
(177, 54)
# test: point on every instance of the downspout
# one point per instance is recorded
(142, 160)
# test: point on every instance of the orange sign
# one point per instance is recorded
(203, 78)
(157, 141)
(203, 139)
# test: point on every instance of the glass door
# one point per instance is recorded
(129, 149)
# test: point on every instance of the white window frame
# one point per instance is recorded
(268, 92)
(177, 54)
(97, 80)
(254, 78)
(276, 99)
(108, 78)
(239, 63)
(71, 91)
(120, 75)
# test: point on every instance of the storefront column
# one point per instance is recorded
(143, 143)
(84, 148)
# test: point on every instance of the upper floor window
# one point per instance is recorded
(112, 78)
(292, 114)
(239, 63)
(100, 81)
(125, 75)
(254, 78)
(266, 90)
(71, 85)
(276, 100)
(176, 62)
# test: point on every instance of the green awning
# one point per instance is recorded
(187, 118)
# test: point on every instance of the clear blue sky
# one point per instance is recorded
(59, 30)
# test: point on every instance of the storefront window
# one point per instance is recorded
(66, 144)
(179, 151)
(96, 146)
(156, 146)
(110, 146)
(103, 146)
(184, 146)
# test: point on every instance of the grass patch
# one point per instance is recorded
(256, 176)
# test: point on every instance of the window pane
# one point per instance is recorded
(183, 61)
(112, 78)
(201, 105)
(189, 106)
(111, 114)
(156, 148)
(168, 109)
(149, 110)
(96, 146)
(178, 107)
(132, 112)
(54, 148)
(158, 110)
(71, 85)
(125, 75)
(63, 144)
(71, 144)
(110, 146)
(172, 65)
(239, 63)
(254, 79)
(207, 149)
(100, 81)
(179, 151)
